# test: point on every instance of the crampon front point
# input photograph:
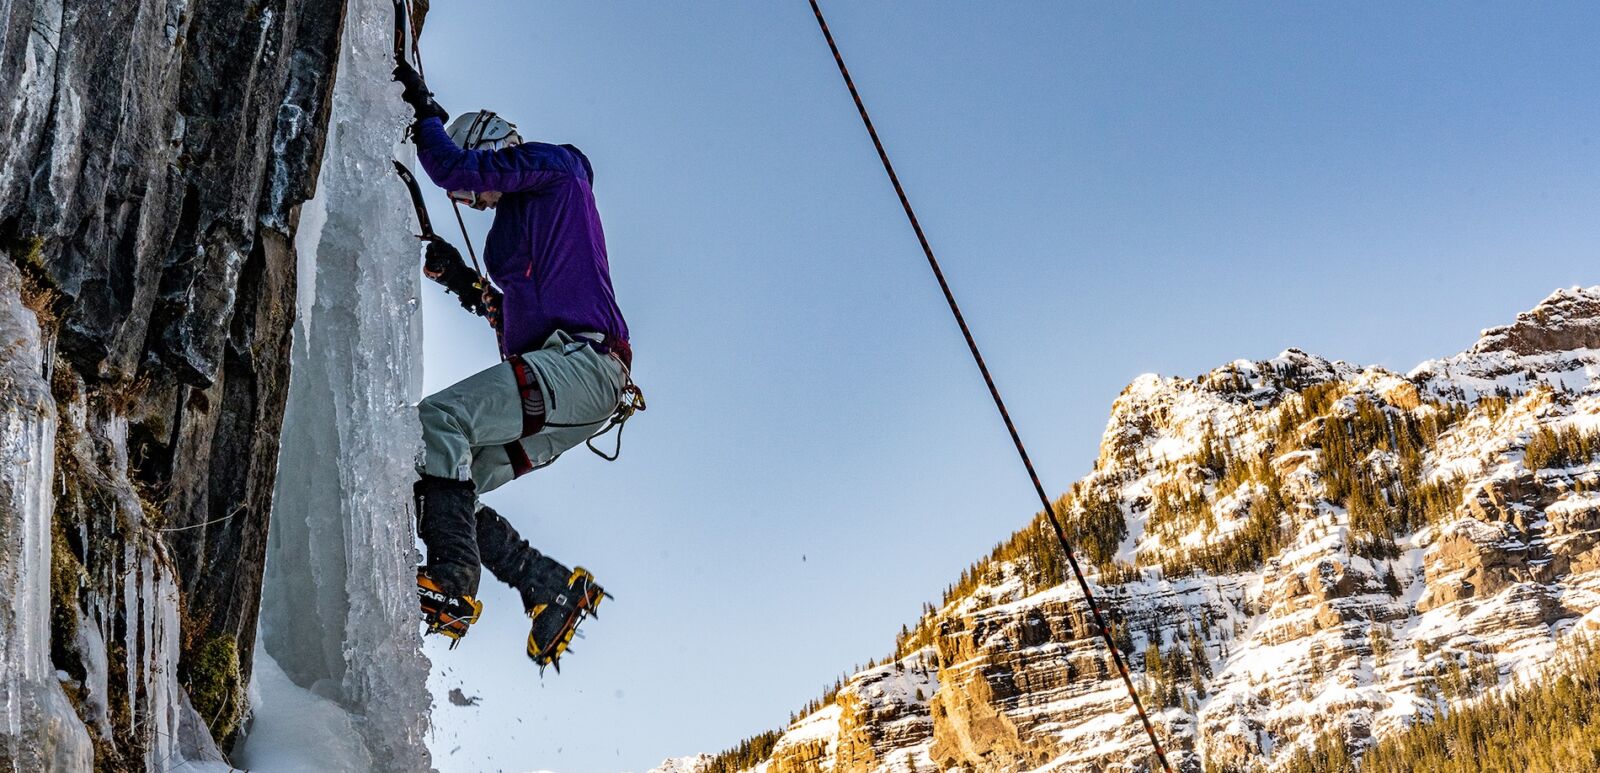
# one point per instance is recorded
(555, 622)
(444, 613)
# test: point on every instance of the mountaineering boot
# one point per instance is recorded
(448, 584)
(445, 613)
(556, 598)
(555, 617)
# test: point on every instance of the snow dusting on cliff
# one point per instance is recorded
(1414, 551)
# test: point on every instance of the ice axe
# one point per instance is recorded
(410, 180)
(400, 14)
(488, 304)
(425, 225)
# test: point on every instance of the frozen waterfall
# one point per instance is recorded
(38, 728)
(340, 678)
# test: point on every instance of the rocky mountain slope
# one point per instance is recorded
(1290, 548)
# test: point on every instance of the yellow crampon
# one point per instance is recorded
(446, 614)
(556, 622)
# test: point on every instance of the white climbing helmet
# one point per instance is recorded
(481, 130)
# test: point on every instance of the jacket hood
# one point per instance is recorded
(587, 168)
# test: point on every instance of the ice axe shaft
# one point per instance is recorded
(401, 14)
(427, 235)
(423, 222)
(426, 225)
(399, 31)
(402, 19)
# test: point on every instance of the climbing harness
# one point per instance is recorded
(994, 391)
(533, 416)
(629, 402)
(533, 411)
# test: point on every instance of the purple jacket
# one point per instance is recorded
(546, 251)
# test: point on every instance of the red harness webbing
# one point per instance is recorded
(533, 415)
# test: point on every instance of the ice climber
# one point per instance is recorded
(565, 372)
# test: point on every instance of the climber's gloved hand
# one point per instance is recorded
(440, 260)
(416, 93)
(442, 263)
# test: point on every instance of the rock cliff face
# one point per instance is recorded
(879, 719)
(1287, 548)
(155, 156)
(1567, 321)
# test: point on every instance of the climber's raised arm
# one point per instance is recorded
(517, 168)
(481, 152)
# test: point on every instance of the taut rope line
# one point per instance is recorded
(994, 392)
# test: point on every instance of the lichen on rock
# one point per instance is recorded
(216, 684)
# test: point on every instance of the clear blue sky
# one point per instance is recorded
(1114, 189)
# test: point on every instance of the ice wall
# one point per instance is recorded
(38, 728)
(339, 613)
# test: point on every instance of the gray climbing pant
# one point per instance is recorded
(466, 427)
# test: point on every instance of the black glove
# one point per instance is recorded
(440, 260)
(416, 93)
(442, 263)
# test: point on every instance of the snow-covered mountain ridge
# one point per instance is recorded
(1289, 548)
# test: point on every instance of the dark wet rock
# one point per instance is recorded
(155, 158)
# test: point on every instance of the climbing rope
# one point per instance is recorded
(994, 392)
(471, 253)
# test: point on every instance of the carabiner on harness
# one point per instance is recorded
(632, 402)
